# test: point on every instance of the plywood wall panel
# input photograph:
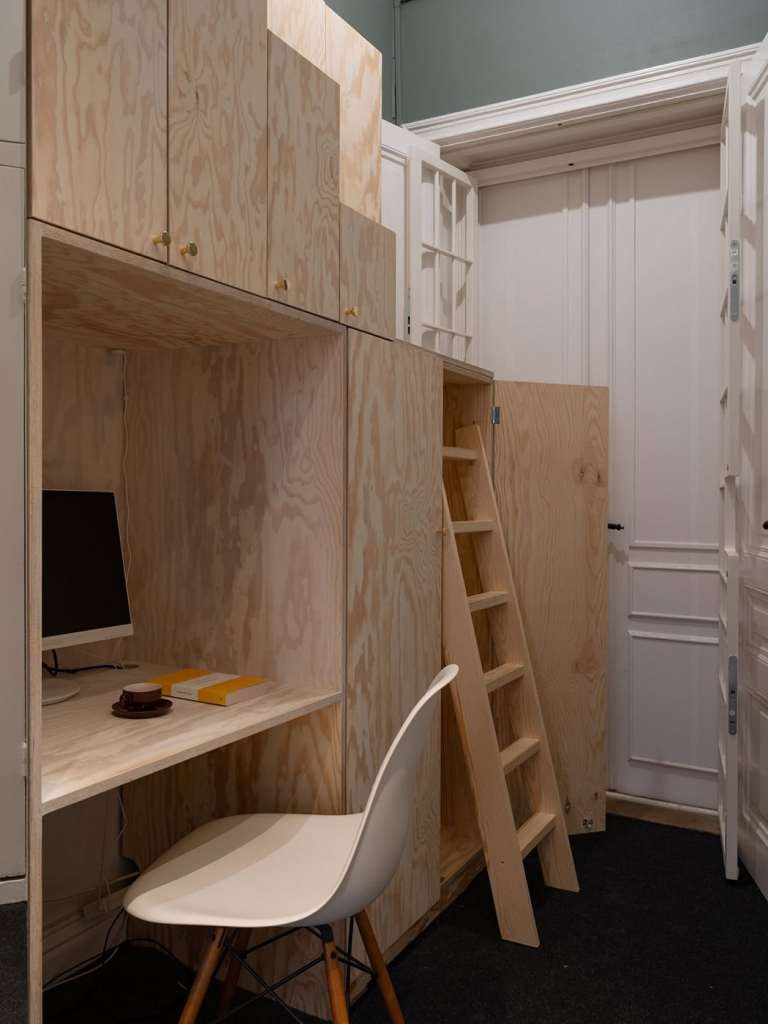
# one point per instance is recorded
(300, 24)
(356, 65)
(99, 119)
(551, 476)
(303, 265)
(393, 643)
(368, 274)
(218, 139)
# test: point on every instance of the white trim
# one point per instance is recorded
(598, 156)
(689, 79)
(13, 890)
(12, 154)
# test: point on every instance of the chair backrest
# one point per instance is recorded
(382, 834)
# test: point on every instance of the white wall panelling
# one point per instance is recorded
(609, 275)
(13, 73)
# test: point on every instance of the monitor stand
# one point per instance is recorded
(57, 690)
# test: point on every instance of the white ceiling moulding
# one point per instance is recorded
(684, 95)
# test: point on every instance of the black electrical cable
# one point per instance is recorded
(55, 670)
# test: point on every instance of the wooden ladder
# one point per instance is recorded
(505, 845)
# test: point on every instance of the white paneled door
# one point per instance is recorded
(611, 276)
(752, 507)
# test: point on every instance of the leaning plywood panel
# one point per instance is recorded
(356, 66)
(218, 140)
(300, 24)
(393, 593)
(368, 253)
(99, 119)
(551, 476)
(303, 264)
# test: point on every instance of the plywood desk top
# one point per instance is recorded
(87, 750)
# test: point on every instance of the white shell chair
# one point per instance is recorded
(291, 870)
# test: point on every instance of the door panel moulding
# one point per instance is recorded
(683, 95)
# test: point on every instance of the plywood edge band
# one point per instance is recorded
(698, 819)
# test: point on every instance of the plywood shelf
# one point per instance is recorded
(86, 750)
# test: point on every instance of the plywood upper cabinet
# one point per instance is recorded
(356, 65)
(300, 24)
(303, 183)
(368, 256)
(99, 118)
(218, 140)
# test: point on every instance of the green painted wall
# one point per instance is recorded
(375, 19)
(458, 54)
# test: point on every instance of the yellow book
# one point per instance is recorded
(209, 687)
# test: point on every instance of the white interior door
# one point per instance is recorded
(753, 478)
(730, 415)
(611, 276)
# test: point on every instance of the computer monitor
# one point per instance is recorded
(85, 597)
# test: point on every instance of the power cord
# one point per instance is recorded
(56, 670)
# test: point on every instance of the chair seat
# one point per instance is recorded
(248, 871)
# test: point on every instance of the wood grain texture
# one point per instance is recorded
(86, 750)
(551, 474)
(94, 294)
(393, 640)
(300, 24)
(218, 139)
(368, 274)
(241, 566)
(99, 118)
(356, 65)
(303, 183)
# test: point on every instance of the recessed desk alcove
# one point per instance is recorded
(218, 420)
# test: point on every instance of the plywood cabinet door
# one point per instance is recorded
(218, 140)
(356, 65)
(99, 119)
(394, 522)
(551, 477)
(368, 274)
(303, 256)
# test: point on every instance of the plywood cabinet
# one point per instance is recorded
(303, 265)
(218, 140)
(300, 24)
(368, 278)
(99, 119)
(356, 65)
(394, 522)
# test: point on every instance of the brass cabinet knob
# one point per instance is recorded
(282, 283)
(163, 238)
(352, 311)
(188, 249)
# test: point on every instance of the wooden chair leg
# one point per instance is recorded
(203, 978)
(234, 968)
(379, 966)
(339, 1012)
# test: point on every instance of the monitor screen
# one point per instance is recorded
(85, 597)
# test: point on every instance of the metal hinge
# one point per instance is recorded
(495, 415)
(408, 313)
(734, 281)
(733, 684)
(23, 283)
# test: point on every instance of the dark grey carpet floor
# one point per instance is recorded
(656, 936)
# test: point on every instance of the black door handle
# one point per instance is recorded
(615, 526)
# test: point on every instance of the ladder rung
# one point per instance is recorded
(473, 526)
(490, 599)
(517, 753)
(502, 675)
(534, 830)
(460, 454)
